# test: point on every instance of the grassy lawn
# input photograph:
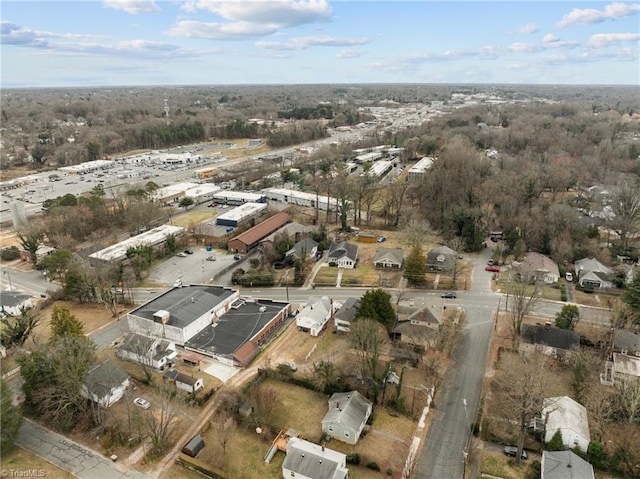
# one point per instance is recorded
(194, 217)
(501, 466)
(19, 460)
(326, 276)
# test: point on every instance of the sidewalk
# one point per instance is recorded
(70, 456)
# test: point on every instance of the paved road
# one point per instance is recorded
(79, 460)
(444, 451)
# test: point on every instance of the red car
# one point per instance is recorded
(493, 269)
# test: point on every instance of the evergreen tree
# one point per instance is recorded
(415, 266)
(376, 305)
(63, 323)
(568, 317)
(10, 417)
(556, 443)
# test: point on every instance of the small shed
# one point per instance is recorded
(366, 238)
(194, 446)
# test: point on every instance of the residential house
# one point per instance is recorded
(152, 352)
(592, 273)
(418, 328)
(345, 314)
(184, 382)
(11, 302)
(564, 465)
(343, 255)
(441, 259)
(624, 358)
(306, 460)
(570, 418)
(347, 416)
(540, 267)
(388, 258)
(552, 341)
(304, 249)
(105, 383)
(315, 315)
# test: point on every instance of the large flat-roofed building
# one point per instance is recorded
(211, 320)
(227, 197)
(203, 192)
(88, 167)
(155, 237)
(241, 213)
(250, 239)
(301, 198)
(173, 193)
(417, 171)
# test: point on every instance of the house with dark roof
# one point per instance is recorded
(441, 259)
(592, 273)
(564, 465)
(419, 326)
(11, 302)
(304, 249)
(538, 266)
(388, 258)
(347, 416)
(104, 384)
(315, 315)
(157, 353)
(250, 239)
(306, 460)
(210, 320)
(345, 314)
(343, 255)
(552, 341)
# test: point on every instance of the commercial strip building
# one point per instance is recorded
(211, 320)
(301, 198)
(240, 214)
(155, 238)
(250, 239)
(236, 198)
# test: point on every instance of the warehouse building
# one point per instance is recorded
(250, 239)
(417, 171)
(241, 214)
(300, 198)
(235, 198)
(155, 238)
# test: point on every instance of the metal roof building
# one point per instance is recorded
(241, 213)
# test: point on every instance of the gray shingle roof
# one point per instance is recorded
(312, 460)
(102, 378)
(342, 249)
(395, 255)
(350, 409)
(565, 465)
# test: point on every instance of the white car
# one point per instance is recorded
(568, 277)
(143, 403)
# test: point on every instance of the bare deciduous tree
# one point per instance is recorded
(162, 422)
(369, 337)
(523, 384)
(523, 294)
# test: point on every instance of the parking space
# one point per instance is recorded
(191, 268)
(221, 371)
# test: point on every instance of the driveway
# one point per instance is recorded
(70, 456)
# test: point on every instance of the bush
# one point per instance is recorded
(373, 466)
(556, 443)
(353, 458)
(596, 454)
(534, 470)
(10, 253)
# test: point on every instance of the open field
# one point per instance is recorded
(193, 217)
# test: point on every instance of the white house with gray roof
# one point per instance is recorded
(157, 353)
(315, 315)
(306, 460)
(591, 272)
(570, 418)
(12, 301)
(347, 416)
(104, 383)
(343, 255)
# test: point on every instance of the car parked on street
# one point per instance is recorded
(182, 254)
(450, 294)
(211, 258)
(143, 403)
(188, 251)
(512, 451)
(493, 269)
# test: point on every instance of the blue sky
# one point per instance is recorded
(53, 43)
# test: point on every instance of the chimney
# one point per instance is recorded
(337, 405)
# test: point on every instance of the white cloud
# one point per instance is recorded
(524, 47)
(591, 15)
(302, 43)
(349, 54)
(13, 34)
(133, 6)
(605, 39)
(549, 38)
(220, 31)
(528, 29)
(284, 13)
